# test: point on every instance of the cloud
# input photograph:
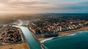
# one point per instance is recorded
(11, 6)
(41, 6)
(77, 8)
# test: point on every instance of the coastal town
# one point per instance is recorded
(42, 28)
(11, 38)
(48, 29)
(43, 24)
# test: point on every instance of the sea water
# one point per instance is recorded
(78, 40)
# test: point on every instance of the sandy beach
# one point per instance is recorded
(68, 32)
(73, 31)
(15, 46)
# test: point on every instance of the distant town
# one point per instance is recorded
(53, 28)
(42, 27)
(49, 25)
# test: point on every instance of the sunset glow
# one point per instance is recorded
(43, 6)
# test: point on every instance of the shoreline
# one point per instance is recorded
(51, 38)
(65, 33)
(73, 31)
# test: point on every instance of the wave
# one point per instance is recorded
(47, 39)
(72, 34)
(55, 38)
(62, 36)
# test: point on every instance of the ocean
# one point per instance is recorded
(75, 41)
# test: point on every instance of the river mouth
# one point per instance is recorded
(74, 41)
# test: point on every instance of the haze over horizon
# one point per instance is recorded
(43, 6)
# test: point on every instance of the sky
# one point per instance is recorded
(43, 6)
